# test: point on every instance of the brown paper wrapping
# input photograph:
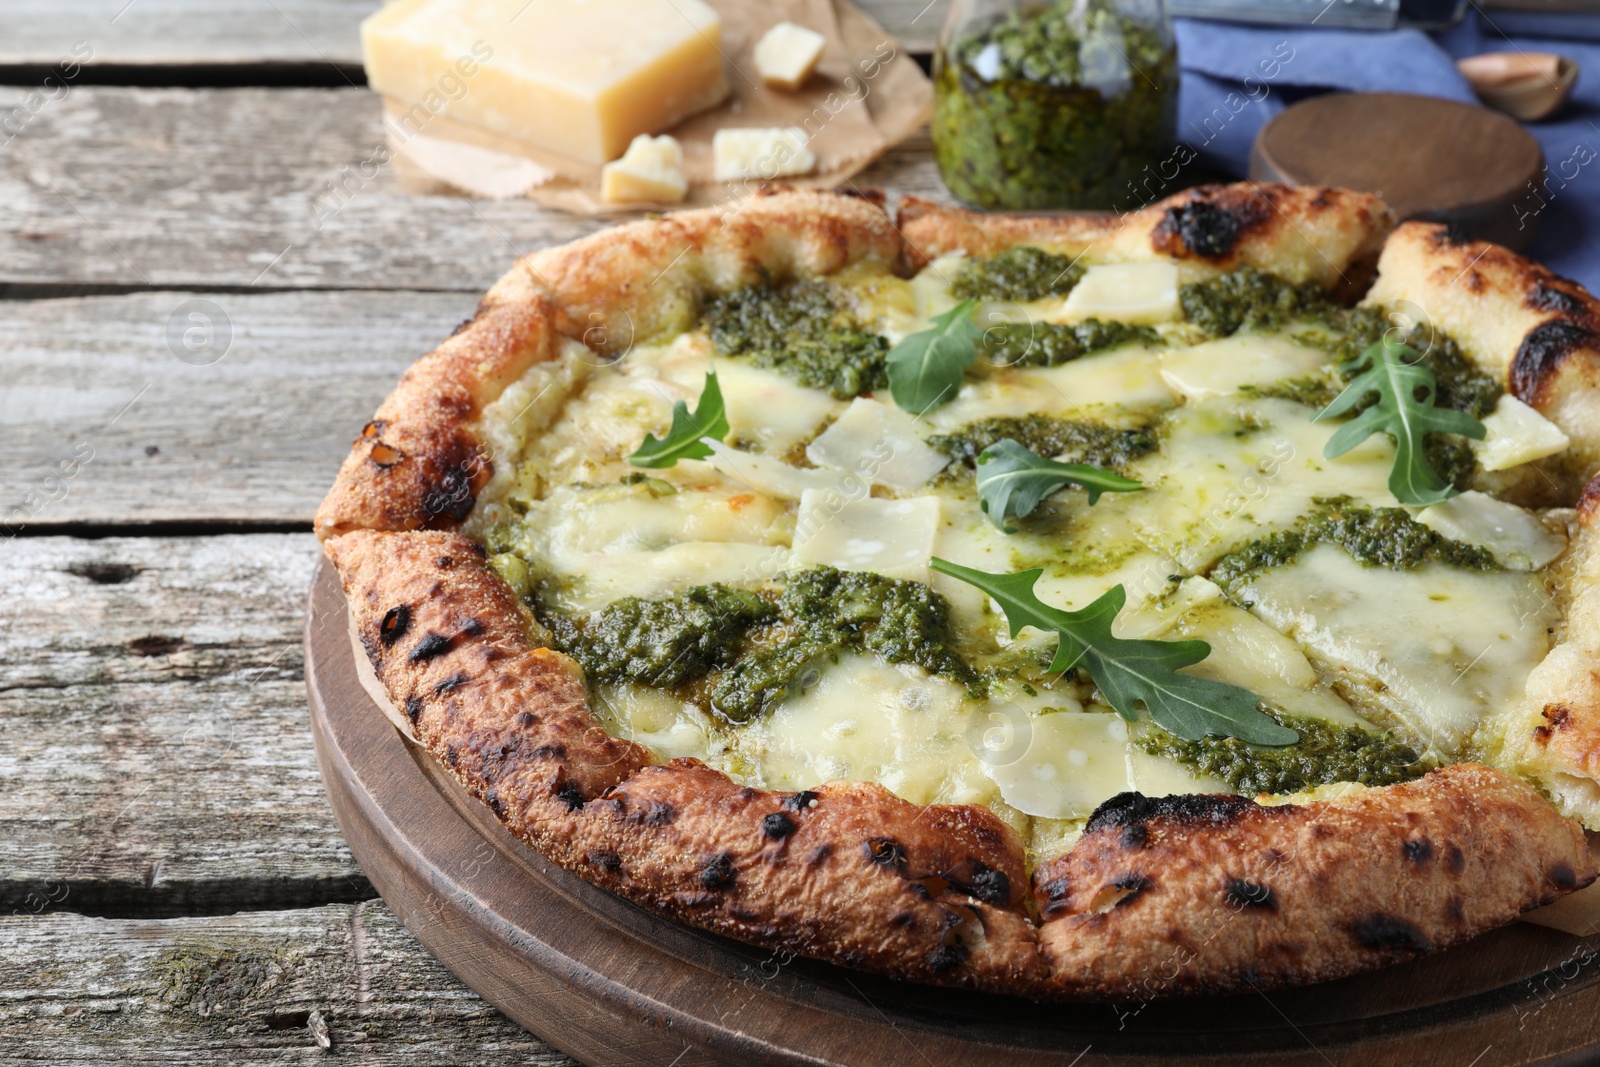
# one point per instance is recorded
(866, 96)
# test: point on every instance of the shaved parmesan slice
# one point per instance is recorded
(889, 537)
(767, 409)
(1517, 434)
(1218, 368)
(770, 476)
(1516, 537)
(880, 443)
(1140, 293)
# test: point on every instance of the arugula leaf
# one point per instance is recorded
(1130, 672)
(925, 368)
(1406, 411)
(1012, 481)
(710, 419)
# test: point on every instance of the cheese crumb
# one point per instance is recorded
(761, 153)
(650, 171)
(787, 54)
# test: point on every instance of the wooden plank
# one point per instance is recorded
(183, 32)
(267, 188)
(158, 758)
(114, 413)
(240, 989)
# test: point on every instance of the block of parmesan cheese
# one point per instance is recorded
(650, 171)
(760, 153)
(579, 77)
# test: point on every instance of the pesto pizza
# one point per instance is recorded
(1011, 603)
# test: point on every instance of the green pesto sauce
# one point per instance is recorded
(1053, 106)
(1326, 752)
(1043, 435)
(1048, 344)
(1018, 274)
(1249, 299)
(741, 652)
(1383, 537)
(661, 642)
(1312, 391)
(799, 330)
(1461, 384)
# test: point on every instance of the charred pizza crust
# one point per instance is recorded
(847, 872)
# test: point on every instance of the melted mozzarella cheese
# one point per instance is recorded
(1229, 469)
(1222, 367)
(1432, 648)
(888, 537)
(1516, 537)
(1140, 293)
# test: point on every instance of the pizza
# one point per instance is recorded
(1075, 608)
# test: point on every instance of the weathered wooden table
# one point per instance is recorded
(185, 351)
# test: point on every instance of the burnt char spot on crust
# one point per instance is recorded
(431, 646)
(396, 621)
(1455, 860)
(717, 872)
(1563, 877)
(884, 851)
(777, 825)
(524, 718)
(413, 709)
(472, 628)
(656, 813)
(570, 795)
(1454, 233)
(1541, 353)
(1546, 297)
(455, 681)
(1383, 932)
(1418, 851)
(800, 801)
(1241, 895)
(948, 957)
(987, 884)
(1208, 228)
(605, 859)
(1556, 717)
(1135, 809)
(1135, 835)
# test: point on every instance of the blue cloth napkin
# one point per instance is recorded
(1235, 78)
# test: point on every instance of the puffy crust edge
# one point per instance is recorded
(642, 279)
(1309, 233)
(851, 874)
(423, 459)
(420, 463)
(1539, 332)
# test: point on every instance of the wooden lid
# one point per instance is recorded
(1428, 158)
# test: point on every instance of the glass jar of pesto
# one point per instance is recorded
(1054, 105)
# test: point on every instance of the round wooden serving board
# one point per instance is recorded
(613, 985)
(1428, 158)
